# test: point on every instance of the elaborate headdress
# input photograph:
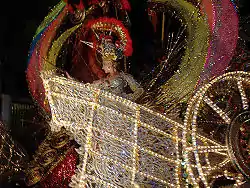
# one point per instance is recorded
(112, 38)
(80, 4)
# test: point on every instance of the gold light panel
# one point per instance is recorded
(121, 143)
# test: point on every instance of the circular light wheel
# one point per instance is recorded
(211, 140)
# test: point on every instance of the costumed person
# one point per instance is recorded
(83, 63)
(52, 165)
(121, 143)
(116, 82)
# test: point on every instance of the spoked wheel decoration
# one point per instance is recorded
(238, 143)
(215, 138)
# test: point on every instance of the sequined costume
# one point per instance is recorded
(119, 86)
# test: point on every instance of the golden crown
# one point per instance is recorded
(108, 50)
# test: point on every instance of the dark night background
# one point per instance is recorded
(19, 20)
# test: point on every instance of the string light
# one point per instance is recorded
(210, 146)
(69, 99)
(99, 120)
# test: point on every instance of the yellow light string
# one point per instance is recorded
(56, 47)
(55, 85)
(135, 148)
(190, 122)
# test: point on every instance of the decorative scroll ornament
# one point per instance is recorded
(55, 157)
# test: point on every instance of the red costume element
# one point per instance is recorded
(125, 5)
(74, 4)
(154, 18)
(93, 2)
(61, 175)
(116, 26)
(84, 65)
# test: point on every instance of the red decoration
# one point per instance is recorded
(125, 5)
(72, 6)
(85, 66)
(93, 2)
(117, 43)
(106, 37)
(105, 23)
(37, 60)
(61, 175)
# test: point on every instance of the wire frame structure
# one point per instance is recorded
(123, 144)
(12, 156)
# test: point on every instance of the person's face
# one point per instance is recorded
(108, 67)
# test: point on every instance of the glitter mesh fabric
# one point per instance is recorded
(223, 40)
(38, 57)
(181, 85)
(61, 175)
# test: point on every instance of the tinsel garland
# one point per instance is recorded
(181, 85)
(223, 21)
(51, 16)
(56, 47)
(38, 58)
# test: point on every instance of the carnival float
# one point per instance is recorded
(159, 106)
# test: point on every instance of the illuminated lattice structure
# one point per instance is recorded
(123, 144)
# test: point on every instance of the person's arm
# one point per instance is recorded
(101, 83)
(68, 76)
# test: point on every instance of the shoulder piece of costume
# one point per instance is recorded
(134, 86)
